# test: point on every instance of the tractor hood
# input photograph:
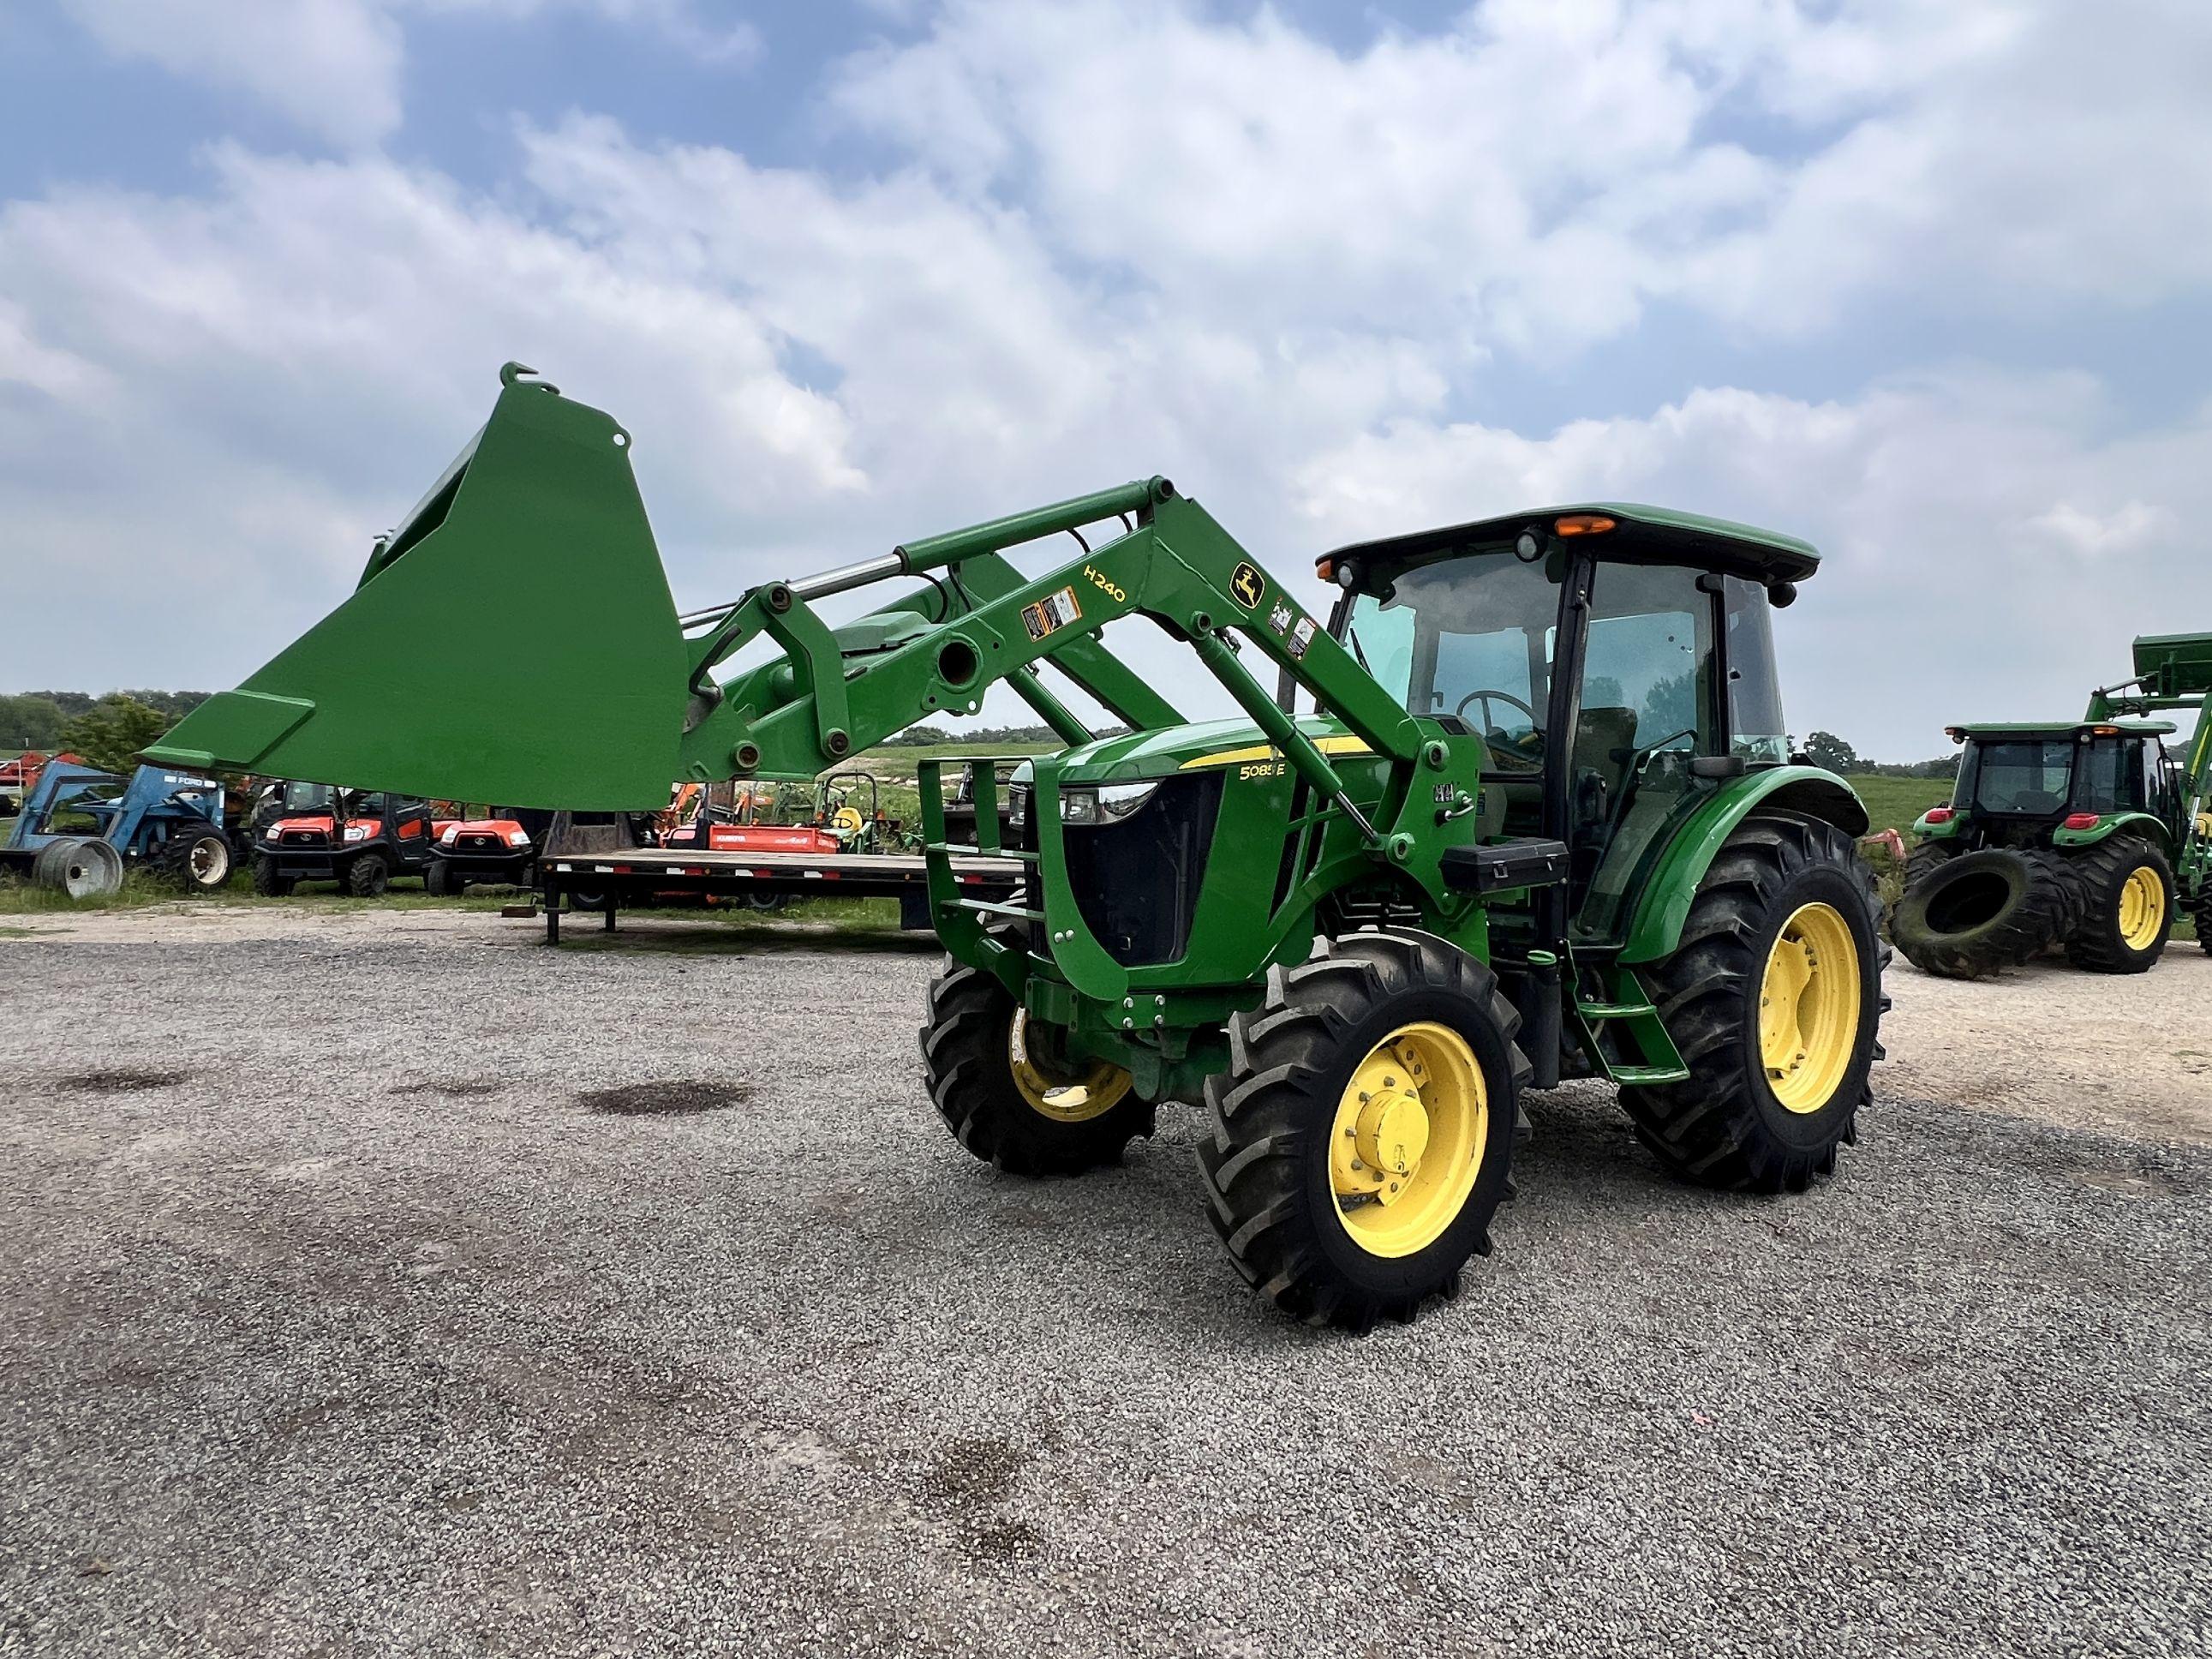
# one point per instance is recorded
(1136, 756)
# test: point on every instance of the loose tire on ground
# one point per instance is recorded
(1774, 1000)
(1925, 860)
(1979, 913)
(1362, 1135)
(2127, 906)
(367, 875)
(196, 857)
(1006, 1098)
(2205, 918)
(269, 880)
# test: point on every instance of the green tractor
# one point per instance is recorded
(2092, 835)
(1538, 819)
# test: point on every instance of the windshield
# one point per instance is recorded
(307, 797)
(2025, 776)
(1469, 636)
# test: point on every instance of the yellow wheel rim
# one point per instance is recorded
(1062, 1099)
(1808, 1008)
(1407, 1142)
(2142, 907)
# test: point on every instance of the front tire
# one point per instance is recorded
(269, 880)
(2127, 907)
(440, 879)
(1009, 1100)
(367, 875)
(1362, 1131)
(1774, 1000)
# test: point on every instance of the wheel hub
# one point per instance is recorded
(1808, 1008)
(1407, 1142)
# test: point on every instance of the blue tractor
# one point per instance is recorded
(80, 826)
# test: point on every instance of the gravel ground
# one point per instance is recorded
(348, 1313)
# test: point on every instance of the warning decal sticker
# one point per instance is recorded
(1053, 612)
(1301, 637)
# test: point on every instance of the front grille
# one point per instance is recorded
(1137, 880)
(304, 838)
(480, 843)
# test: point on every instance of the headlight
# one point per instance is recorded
(446, 836)
(1118, 800)
(1018, 806)
(358, 832)
(518, 838)
(1107, 805)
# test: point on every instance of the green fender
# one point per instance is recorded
(2111, 823)
(1807, 791)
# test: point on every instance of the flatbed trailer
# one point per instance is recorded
(634, 877)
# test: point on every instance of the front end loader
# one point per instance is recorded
(1539, 821)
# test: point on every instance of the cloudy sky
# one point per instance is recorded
(1928, 284)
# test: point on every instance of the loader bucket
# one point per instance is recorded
(512, 641)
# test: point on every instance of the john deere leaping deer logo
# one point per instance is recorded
(1244, 583)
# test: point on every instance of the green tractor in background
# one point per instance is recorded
(2093, 833)
(1537, 820)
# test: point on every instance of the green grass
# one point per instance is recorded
(1895, 803)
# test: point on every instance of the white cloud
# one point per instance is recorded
(1212, 248)
(1973, 525)
(334, 67)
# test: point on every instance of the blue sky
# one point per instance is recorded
(1925, 283)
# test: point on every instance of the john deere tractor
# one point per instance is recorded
(1518, 808)
(2092, 834)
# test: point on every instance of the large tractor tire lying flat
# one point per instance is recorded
(1979, 913)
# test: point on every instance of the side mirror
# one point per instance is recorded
(1713, 768)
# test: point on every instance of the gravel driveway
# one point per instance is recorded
(380, 1286)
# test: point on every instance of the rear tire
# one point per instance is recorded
(970, 1051)
(1768, 1099)
(196, 857)
(1291, 1170)
(2127, 906)
(269, 880)
(1979, 913)
(367, 875)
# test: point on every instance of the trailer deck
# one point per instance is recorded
(634, 877)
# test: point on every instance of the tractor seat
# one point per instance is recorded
(1605, 743)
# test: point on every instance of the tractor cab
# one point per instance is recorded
(2027, 785)
(1617, 662)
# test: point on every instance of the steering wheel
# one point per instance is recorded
(1485, 698)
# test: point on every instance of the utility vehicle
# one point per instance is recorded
(358, 838)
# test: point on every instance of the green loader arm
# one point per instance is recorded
(604, 697)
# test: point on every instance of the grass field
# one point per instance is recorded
(1895, 803)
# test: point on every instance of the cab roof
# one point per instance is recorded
(2062, 728)
(1636, 532)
